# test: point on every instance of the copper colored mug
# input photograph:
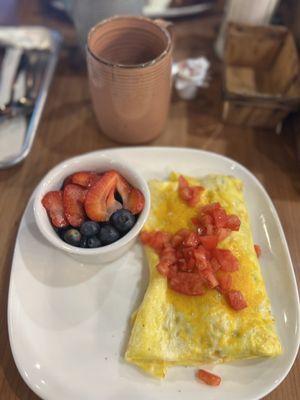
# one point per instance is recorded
(129, 65)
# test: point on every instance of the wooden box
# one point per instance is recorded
(261, 78)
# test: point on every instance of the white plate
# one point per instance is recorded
(161, 9)
(69, 323)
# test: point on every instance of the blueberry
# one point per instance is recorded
(89, 228)
(83, 242)
(108, 234)
(93, 242)
(72, 236)
(123, 220)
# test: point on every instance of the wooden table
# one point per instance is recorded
(68, 128)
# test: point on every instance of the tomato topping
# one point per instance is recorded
(233, 222)
(187, 193)
(225, 282)
(223, 233)
(209, 278)
(188, 283)
(191, 240)
(226, 259)
(215, 264)
(209, 242)
(208, 377)
(236, 300)
(257, 249)
(190, 259)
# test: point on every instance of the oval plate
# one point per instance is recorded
(69, 323)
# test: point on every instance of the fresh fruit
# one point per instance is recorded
(135, 202)
(108, 234)
(87, 198)
(122, 220)
(84, 178)
(208, 377)
(100, 202)
(53, 203)
(73, 199)
(93, 242)
(72, 236)
(83, 242)
(89, 228)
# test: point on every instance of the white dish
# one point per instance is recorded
(54, 180)
(69, 323)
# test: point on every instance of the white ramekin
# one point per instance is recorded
(89, 162)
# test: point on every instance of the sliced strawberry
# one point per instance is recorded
(100, 200)
(124, 189)
(85, 178)
(67, 181)
(53, 203)
(135, 202)
(73, 199)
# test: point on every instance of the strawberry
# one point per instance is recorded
(53, 203)
(135, 202)
(73, 199)
(124, 188)
(100, 201)
(85, 178)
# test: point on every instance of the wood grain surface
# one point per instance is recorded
(68, 128)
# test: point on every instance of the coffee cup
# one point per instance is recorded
(129, 63)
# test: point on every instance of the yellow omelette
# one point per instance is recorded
(174, 329)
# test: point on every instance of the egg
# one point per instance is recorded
(170, 328)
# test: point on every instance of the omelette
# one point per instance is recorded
(172, 329)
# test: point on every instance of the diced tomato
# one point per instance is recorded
(210, 208)
(228, 261)
(176, 240)
(225, 282)
(157, 240)
(220, 217)
(223, 233)
(192, 240)
(236, 300)
(257, 249)
(189, 194)
(163, 267)
(208, 377)
(183, 183)
(233, 222)
(200, 258)
(209, 242)
(195, 221)
(215, 264)
(209, 278)
(187, 283)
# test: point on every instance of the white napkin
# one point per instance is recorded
(12, 131)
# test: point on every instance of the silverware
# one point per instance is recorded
(45, 43)
(24, 105)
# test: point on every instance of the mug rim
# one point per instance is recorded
(129, 66)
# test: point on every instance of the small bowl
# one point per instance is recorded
(54, 180)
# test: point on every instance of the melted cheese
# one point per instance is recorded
(174, 329)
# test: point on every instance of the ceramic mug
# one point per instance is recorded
(129, 65)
